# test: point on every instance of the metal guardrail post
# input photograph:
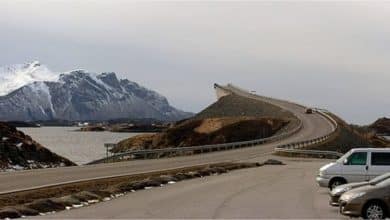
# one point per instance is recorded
(108, 147)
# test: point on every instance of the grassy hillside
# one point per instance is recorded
(197, 132)
(232, 118)
(351, 136)
(234, 105)
(381, 126)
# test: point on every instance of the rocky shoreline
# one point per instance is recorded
(129, 128)
(20, 152)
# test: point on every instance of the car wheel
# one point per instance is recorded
(374, 210)
(336, 182)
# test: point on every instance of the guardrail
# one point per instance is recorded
(317, 153)
(256, 96)
(297, 147)
(156, 153)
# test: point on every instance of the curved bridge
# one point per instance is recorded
(292, 147)
(314, 126)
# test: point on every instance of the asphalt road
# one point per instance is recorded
(277, 192)
(314, 125)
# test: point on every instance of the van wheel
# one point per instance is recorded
(374, 210)
(336, 182)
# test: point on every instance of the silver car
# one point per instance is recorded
(339, 190)
(369, 202)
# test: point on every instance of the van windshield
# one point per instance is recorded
(345, 156)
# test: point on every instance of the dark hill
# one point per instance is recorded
(381, 126)
(19, 151)
(230, 119)
(351, 136)
(234, 105)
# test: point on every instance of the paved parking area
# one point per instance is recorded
(278, 192)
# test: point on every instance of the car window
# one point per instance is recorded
(380, 159)
(357, 158)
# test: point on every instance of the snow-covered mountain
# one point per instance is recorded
(16, 76)
(32, 92)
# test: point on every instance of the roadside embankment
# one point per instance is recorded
(75, 195)
(347, 137)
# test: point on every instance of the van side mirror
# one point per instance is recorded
(345, 162)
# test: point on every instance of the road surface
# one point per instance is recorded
(275, 192)
(314, 125)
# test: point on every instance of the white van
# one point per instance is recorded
(359, 164)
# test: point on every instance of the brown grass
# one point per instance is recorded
(198, 132)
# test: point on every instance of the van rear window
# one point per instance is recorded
(380, 159)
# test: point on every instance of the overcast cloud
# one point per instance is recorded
(332, 55)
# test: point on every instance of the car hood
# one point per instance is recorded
(325, 167)
(366, 189)
(339, 189)
(330, 168)
(354, 185)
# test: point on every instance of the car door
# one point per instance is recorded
(355, 167)
(379, 164)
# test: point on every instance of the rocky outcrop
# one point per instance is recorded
(18, 151)
(93, 128)
(381, 126)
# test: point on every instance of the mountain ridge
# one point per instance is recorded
(81, 95)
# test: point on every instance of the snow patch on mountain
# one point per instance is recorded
(43, 91)
(16, 76)
(36, 93)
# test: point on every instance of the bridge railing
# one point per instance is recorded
(156, 153)
(298, 147)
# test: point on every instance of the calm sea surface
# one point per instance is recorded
(79, 147)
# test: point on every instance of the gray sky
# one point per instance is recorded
(332, 55)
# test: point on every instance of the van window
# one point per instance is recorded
(380, 159)
(358, 158)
